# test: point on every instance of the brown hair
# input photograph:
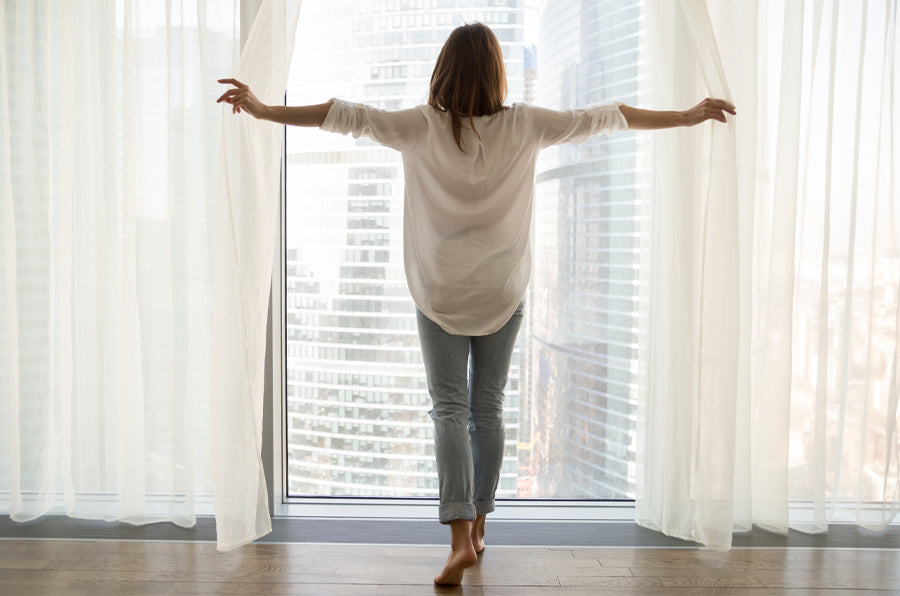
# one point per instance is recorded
(469, 78)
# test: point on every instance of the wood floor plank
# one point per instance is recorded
(429, 590)
(510, 567)
(18, 562)
(687, 583)
(744, 559)
(596, 573)
(161, 575)
(620, 553)
(647, 591)
(697, 570)
(830, 578)
(136, 588)
(221, 563)
(538, 591)
(520, 553)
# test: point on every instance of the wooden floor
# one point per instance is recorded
(29, 567)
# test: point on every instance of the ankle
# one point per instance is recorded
(460, 535)
(462, 545)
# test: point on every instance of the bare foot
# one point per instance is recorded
(478, 533)
(457, 563)
(462, 554)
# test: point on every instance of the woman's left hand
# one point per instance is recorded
(708, 109)
(241, 98)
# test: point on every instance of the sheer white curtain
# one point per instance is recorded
(773, 271)
(247, 219)
(108, 148)
(110, 153)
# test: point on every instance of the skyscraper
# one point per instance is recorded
(578, 399)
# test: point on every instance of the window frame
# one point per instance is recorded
(275, 421)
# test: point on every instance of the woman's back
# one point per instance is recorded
(467, 211)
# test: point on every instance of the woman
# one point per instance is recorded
(469, 170)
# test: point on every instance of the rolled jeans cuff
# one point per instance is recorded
(484, 507)
(453, 511)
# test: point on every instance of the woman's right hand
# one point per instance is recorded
(708, 109)
(241, 98)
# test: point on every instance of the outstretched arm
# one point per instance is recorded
(708, 109)
(242, 99)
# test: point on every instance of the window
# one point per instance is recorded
(356, 391)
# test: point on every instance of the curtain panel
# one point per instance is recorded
(772, 271)
(108, 148)
(136, 216)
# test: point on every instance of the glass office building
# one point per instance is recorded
(578, 406)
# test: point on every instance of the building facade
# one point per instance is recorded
(578, 409)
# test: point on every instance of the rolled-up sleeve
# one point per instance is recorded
(576, 126)
(399, 129)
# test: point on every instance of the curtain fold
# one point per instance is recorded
(772, 274)
(247, 216)
(685, 472)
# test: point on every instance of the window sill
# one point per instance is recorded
(427, 509)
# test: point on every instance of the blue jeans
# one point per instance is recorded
(466, 377)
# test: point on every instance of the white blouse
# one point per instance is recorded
(467, 215)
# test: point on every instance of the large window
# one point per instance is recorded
(357, 402)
